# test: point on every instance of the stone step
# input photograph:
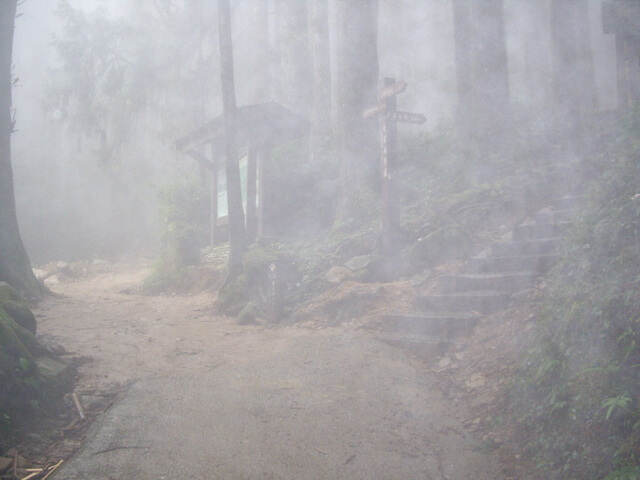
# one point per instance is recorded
(480, 302)
(528, 247)
(554, 216)
(525, 263)
(434, 327)
(504, 282)
(417, 345)
(538, 231)
(568, 202)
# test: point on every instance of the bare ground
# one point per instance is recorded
(218, 400)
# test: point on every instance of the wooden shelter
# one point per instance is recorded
(622, 18)
(260, 128)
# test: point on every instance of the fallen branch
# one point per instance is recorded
(33, 474)
(53, 469)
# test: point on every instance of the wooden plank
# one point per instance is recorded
(392, 90)
(408, 117)
(374, 110)
(252, 214)
(200, 158)
(263, 158)
(214, 196)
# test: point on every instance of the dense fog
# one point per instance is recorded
(77, 198)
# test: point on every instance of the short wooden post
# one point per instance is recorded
(275, 292)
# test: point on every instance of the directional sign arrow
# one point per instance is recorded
(374, 110)
(392, 90)
(407, 117)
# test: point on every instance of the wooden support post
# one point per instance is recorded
(388, 165)
(263, 158)
(388, 118)
(252, 214)
(214, 195)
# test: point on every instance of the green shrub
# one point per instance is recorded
(581, 381)
(185, 213)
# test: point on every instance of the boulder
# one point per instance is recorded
(5, 464)
(58, 376)
(248, 315)
(16, 307)
(337, 274)
(363, 261)
(366, 267)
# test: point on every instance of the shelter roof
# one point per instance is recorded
(268, 124)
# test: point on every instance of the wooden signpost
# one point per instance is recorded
(388, 118)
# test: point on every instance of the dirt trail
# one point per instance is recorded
(218, 400)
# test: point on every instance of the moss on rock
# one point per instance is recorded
(16, 307)
(28, 378)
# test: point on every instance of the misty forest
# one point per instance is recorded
(320, 239)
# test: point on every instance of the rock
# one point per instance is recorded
(5, 464)
(16, 307)
(94, 403)
(337, 274)
(248, 315)
(50, 344)
(365, 267)
(444, 362)
(52, 370)
(22, 462)
(475, 381)
(362, 262)
(40, 274)
(52, 280)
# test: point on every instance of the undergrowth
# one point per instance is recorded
(576, 397)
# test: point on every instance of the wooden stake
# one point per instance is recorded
(33, 475)
(53, 469)
(15, 463)
(76, 401)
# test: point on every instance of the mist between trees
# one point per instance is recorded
(105, 88)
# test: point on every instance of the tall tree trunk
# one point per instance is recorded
(237, 229)
(321, 112)
(534, 25)
(357, 88)
(261, 53)
(573, 71)
(482, 74)
(297, 69)
(15, 267)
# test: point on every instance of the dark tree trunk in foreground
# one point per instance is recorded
(15, 267)
(482, 74)
(357, 84)
(574, 85)
(237, 230)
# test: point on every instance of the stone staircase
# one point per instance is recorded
(485, 285)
